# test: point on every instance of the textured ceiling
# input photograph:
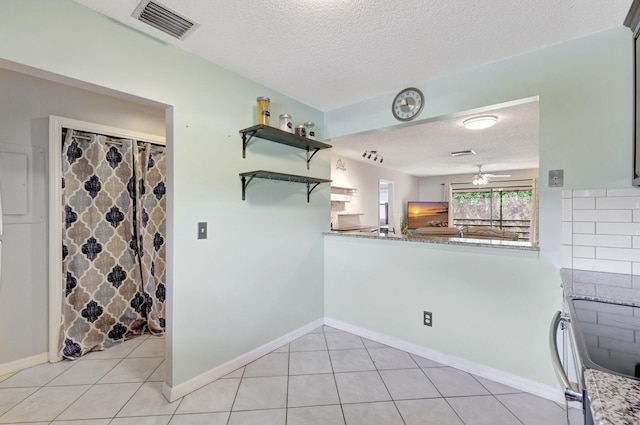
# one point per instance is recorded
(332, 53)
(424, 149)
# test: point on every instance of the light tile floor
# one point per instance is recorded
(326, 377)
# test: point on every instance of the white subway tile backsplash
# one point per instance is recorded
(618, 203)
(609, 266)
(614, 216)
(584, 227)
(590, 192)
(567, 209)
(567, 233)
(601, 237)
(632, 191)
(619, 254)
(566, 256)
(584, 252)
(613, 241)
(618, 228)
(584, 204)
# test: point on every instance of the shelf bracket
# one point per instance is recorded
(310, 189)
(245, 183)
(310, 155)
(245, 142)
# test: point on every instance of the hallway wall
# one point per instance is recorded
(26, 105)
(259, 275)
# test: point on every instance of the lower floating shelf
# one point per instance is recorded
(311, 182)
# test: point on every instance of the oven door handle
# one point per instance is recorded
(571, 391)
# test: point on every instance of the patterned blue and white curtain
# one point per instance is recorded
(113, 242)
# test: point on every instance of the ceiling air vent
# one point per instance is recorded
(164, 18)
(463, 153)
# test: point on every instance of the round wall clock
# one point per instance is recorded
(407, 104)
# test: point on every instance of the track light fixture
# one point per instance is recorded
(375, 154)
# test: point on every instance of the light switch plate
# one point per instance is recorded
(556, 178)
(202, 230)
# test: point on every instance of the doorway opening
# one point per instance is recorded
(385, 206)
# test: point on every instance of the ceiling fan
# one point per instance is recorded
(483, 178)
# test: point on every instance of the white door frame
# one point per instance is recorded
(55, 218)
(390, 215)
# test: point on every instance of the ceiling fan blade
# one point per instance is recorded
(497, 175)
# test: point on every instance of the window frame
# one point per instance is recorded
(504, 185)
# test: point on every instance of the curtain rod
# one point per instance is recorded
(156, 147)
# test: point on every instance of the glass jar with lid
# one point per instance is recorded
(309, 128)
(285, 123)
(263, 110)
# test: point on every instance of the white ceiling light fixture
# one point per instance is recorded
(479, 123)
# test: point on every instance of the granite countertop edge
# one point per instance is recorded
(614, 399)
(484, 243)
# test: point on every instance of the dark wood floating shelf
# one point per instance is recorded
(311, 182)
(283, 137)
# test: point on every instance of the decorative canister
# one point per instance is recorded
(308, 126)
(263, 110)
(285, 123)
(300, 131)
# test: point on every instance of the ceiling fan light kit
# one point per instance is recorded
(480, 123)
(480, 179)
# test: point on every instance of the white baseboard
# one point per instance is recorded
(514, 381)
(17, 365)
(174, 393)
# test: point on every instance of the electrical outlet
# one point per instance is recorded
(202, 230)
(556, 178)
(428, 318)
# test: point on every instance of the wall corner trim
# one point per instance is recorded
(174, 393)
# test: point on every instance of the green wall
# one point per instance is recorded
(490, 307)
(259, 275)
(585, 89)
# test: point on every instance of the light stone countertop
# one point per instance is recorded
(486, 243)
(615, 400)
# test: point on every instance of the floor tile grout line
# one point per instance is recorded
(235, 397)
(286, 400)
(136, 391)
(333, 373)
(385, 384)
(84, 392)
(46, 385)
(509, 410)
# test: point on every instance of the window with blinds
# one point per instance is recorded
(510, 207)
